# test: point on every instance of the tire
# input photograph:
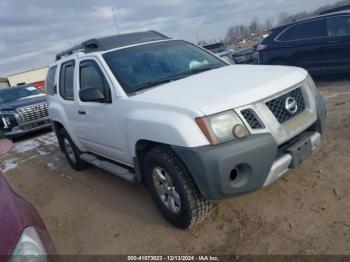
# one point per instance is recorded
(71, 151)
(183, 205)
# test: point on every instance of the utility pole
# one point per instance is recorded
(115, 21)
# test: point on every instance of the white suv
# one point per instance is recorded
(175, 117)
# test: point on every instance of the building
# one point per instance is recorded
(35, 77)
(4, 82)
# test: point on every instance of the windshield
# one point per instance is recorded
(13, 94)
(141, 67)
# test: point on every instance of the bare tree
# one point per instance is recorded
(254, 26)
(268, 24)
(284, 18)
(230, 35)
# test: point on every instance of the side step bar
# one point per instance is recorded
(109, 167)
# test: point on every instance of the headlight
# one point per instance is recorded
(7, 119)
(311, 84)
(29, 247)
(222, 127)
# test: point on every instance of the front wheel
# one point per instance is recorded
(173, 189)
(71, 151)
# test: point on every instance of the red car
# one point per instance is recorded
(23, 235)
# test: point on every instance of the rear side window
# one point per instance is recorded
(67, 80)
(304, 31)
(339, 26)
(50, 86)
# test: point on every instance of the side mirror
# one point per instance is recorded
(92, 94)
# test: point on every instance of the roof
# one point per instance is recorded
(337, 9)
(325, 15)
(333, 13)
(114, 41)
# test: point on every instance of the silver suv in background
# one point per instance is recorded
(222, 51)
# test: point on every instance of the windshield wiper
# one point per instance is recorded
(173, 78)
(202, 69)
(159, 82)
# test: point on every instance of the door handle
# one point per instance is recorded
(332, 41)
(81, 112)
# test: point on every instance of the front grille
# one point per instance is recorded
(35, 124)
(32, 113)
(252, 119)
(277, 105)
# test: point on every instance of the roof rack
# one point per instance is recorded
(337, 9)
(114, 41)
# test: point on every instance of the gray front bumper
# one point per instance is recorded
(254, 161)
(29, 127)
(211, 166)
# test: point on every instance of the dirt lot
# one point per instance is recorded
(93, 212)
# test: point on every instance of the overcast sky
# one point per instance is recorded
(33, 31)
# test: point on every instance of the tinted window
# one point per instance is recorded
(339, 26)
(67, 81)
(50, 81)
(150, 65)
(307, 30)
(92, 76)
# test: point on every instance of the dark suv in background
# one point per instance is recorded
(23, 109)
(320, 44)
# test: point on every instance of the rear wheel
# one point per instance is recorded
(71, 151)
(173, 189)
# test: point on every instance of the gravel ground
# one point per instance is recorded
(93, 212)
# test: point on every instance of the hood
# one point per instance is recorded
(16, 214)
(11, 106)
(224, 88)
(11, 224)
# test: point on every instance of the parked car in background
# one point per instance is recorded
(245, 56)
(193, 128)
(221, 50)
(23, 234)
(320, 44)
(23, 109)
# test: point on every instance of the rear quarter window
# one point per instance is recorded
(67, 80)
(339, 26)
(50, 85)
